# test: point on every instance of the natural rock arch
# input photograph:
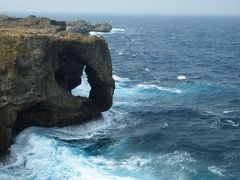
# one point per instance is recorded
(41, 75)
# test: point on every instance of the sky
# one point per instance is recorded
(199, 7)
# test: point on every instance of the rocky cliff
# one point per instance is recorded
(32, 22)
(38, 69)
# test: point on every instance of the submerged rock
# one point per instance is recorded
(38, 69)
(85, 27)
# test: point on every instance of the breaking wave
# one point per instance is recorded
(153, 86)
(113, 31)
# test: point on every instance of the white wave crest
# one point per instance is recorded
(93, 33)
(120, 79)
(113, 31)
(227, 111)
(118, 30)
(83, 131)
(153, 86)
(176, 165)
(232, 123)
(215, 170)
(181, 77)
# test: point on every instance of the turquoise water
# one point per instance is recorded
(176, 111)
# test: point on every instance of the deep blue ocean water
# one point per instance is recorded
(176, 111)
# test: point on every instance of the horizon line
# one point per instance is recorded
(117, 14)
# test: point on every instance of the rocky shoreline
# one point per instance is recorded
(85, 27)
(40, 63)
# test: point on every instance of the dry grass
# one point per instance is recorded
(7, 49)
(11, 37)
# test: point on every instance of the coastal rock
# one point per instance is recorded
(105, 27)
(80, 26)
(85, 27)
(39, 69)
(32, 22)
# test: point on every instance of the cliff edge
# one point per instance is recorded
(38, 70)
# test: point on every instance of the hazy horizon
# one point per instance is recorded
(144, 7)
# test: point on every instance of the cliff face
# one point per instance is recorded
(37, 73)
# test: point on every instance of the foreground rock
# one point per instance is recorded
(38, 69)
(85, 27)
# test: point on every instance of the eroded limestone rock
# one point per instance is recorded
(32, 22)
(85, 27)
(38, 71)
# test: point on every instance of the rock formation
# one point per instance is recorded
(32, 22)
(38, 69)
(105, 27)
(85, 27)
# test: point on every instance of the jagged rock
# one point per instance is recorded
(32, 22)
(85, 27)
(38, 71)
(105, 27)
(80, 26)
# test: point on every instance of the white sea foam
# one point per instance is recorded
(175, 165)
(153, 86)
(36, 149)
(215, 170)
(176, 158)
(113, 31)
(165, 125)
(83, 89)
(120, 79)
(93, 33)
(181, 77)
(227, 111)
(210, 112)
(134, 162)
(84, 131)
(118, 30)
(232, 123)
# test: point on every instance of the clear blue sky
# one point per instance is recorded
(231, 7)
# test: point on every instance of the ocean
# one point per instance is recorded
(176, 110)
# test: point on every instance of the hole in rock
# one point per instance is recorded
(70, 67)
(84, 88)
